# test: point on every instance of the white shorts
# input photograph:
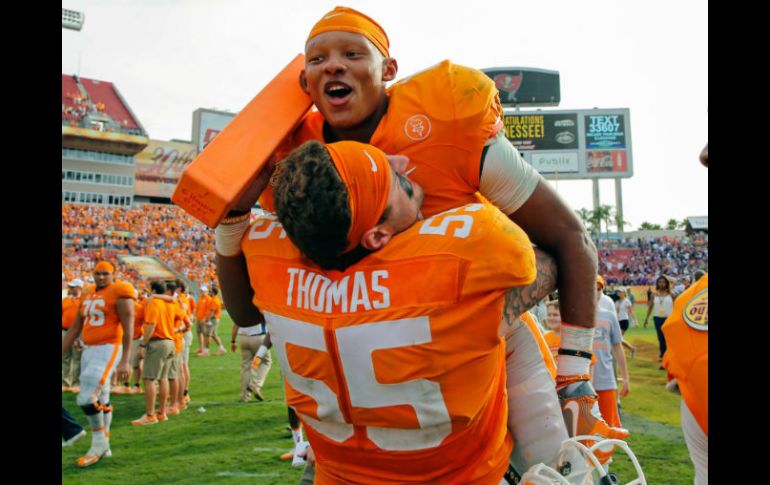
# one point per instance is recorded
(697, 445)
(97, 364)
(187, 339)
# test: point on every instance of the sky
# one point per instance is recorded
(171, 57)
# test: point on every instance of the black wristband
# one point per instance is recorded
(576, 353)
(144, 346)
(232, 341)
(236, 213)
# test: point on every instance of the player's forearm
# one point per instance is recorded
(620, 358)
(518, 300)
(555, 228)
(576, 260)
(237, 293)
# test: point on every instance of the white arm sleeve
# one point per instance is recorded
(534, 414)
(506, 179)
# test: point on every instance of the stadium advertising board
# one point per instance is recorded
(207, 124)
(159, 166)
(576, 144)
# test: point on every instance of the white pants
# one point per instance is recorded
(97, 364)
(697, 444)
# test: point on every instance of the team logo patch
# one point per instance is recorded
(417, 127)
(508, 82)
(696, 311)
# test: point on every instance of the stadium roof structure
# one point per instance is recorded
(96, 116)
(698, 223)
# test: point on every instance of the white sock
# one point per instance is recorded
(296, 435)
(96, 421)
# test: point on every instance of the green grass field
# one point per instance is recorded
(221, 440)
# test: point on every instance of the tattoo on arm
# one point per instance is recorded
(520, 299)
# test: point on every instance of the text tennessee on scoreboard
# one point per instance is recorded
(576, 144)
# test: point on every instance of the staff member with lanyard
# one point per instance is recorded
(255, 343)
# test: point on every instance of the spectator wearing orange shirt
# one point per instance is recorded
(70, 362)
(158, 340)
(202, 321)
(215, 312)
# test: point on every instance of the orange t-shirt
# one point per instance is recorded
(139, 318)
(396, 365)
(69, 311)
(202, 309)
(215, 304)
(157, 313)
(179, 315)
(101, 322)
(191, 303)
(185, 300)
(440, 118)
(687, 348)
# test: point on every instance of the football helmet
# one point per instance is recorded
(578, 465)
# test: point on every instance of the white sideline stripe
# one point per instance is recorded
(246, 474)
(272, 450)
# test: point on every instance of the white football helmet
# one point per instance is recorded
(580, 466)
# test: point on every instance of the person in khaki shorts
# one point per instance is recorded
(215, 312)
(70, 362)
(158, 343)
(254, 344)
(202, 321)
(187, 338)
(134, 360)
(180, 324)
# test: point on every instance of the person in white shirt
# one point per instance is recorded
(625, 311)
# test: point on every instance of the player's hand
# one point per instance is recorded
(77, 344)
(255, 189)
(580, 408)
(123, 371)
(256, 361)
(309, 456)
(233, 346)
(140, 353)
(398, 162)
(625, 389)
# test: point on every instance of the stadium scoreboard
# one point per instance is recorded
(573, 144)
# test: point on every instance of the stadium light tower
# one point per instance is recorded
(71, 19)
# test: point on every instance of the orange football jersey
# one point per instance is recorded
(157, 312)
(101, 323)
(440, 118)
(191, 305)
(396, 365)
(687, 348)
(69, 311)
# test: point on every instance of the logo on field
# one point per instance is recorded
(696, 311)
(417, 127)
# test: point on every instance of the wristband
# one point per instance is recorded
(232, 341)
(144, 346)
(228, 236)
(576, 353)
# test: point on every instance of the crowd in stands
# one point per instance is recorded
(166, 232)
(78, 106)
(187, 246)
(640, 261)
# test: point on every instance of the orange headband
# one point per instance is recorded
(104, 267)
(349, 20)
(365, 171)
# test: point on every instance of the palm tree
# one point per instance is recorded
(584, 215)
(603, 213)
(648, 226)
